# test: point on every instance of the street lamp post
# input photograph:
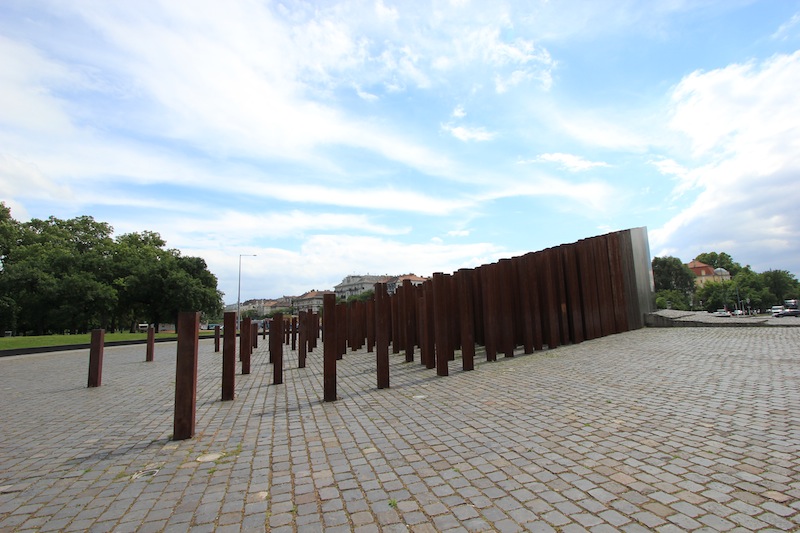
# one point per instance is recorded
(239, 294)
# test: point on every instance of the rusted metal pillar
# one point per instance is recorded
(216, 338)
(151, 344)
(330, 347)
(559, 281)
(466, 319)
(96, 357)
(526, 316)
(340, 335)
(382, 335)
(453, 329)
(276, 348)
(245, 345)
(315, 331)
(617, 284)
(490, 296)
(430, 326)
(294, 332)
(605, 296)
(408, 319)
(370, 311)
(396, 322)
(573, 293)
(588, 279)
(424, 351)
(531, 276)
(254, 335)
(229, 356)
(302, 338)
(440, 323)
(506, 316)
(186, 375)
(547, 293)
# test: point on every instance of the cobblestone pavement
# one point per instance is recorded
(676, 429)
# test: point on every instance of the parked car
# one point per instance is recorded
(721, 312)
(788, 312)
(738, 312)
(777, 309)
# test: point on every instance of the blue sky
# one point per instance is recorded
(333, 138)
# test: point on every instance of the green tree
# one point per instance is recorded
(716, 295)
(669, 273)
(720, 260)
(670, 299)
(781, 284)
(751, 289)
(58, 275)
(674, 283)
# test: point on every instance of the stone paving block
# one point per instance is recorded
(622, 428)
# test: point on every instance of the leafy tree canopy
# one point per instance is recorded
(670, 274)
(71, 275)
(720, 260)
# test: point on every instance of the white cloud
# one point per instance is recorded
(459, 112)
(786, 29)
(466, 134)
(570, 162)
(743, 122)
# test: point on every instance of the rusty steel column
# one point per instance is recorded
(506, 308)
(294, 332)
(341, 330)
(589, 301)
(216, 338)
(96, 357)
(424, 351)
(370, 311)
(245, 345)
(547, 292)
(525, 310)
(409, 337)
(430, 326)
(382, 335)
(617, 284)
(302, 338)
(604, 293)
(254, 336)
(276, 348)
(453, 329)
(316, 330)
(186, 375)
(228, 356)
(330, 347)
(573, 287)
(561, 294)
(489, 288)
(151, 344)
(440, 323)
(466, 319)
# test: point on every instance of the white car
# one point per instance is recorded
(777, 309)
(721, 312)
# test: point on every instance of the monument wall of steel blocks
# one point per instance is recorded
(562, 295)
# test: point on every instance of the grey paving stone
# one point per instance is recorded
(639, 430)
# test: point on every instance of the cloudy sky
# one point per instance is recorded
(333, 138)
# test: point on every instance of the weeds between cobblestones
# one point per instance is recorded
(656, 429)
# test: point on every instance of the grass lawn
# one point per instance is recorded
(33, 341)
